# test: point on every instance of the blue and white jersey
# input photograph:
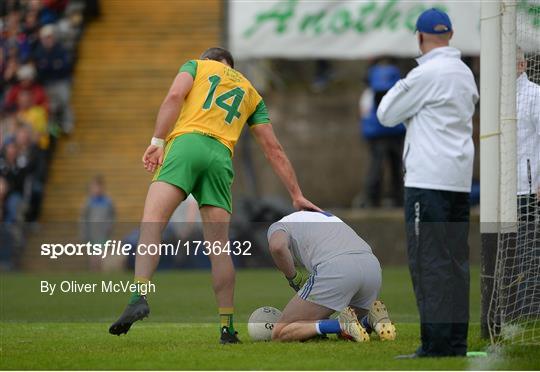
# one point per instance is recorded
(316, 237)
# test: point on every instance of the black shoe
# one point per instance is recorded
(131, 314)
(228, 338)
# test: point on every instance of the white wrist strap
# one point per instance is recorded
(159, 142)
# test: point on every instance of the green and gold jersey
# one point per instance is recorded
(220, 102)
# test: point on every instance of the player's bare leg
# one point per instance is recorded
(161, 201)
(298, 322)
(302, 320)
(216, 231)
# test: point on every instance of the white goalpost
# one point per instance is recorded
(510, 169)
(508, 118)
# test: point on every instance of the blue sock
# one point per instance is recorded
(365, 323)
(327, 326)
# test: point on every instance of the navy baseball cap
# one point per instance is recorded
(433, 21)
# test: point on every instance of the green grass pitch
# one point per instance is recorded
(69, 331)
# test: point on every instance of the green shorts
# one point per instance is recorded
(199, 165)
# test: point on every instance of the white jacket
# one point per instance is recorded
(436, 101)
(528, 136)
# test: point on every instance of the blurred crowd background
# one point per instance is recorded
(38, 50)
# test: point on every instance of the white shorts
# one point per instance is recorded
(349, 279)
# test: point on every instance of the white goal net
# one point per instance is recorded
(514, 312)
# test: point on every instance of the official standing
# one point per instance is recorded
(527, 242)
(436, 101)
(528, 142)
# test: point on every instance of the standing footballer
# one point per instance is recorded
(210, 102)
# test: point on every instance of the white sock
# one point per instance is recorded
(318, 329)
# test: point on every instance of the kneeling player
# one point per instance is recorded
(345, 277)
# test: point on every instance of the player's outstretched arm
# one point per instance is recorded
(272, 149)
(167, 116)
(279, 249)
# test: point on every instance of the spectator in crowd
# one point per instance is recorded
(322, 76)
(8, 6)
(49, 11)
(14, 37)
(35, 116)
(7, 241)
(97, 218)
(3, 194)
(30, 28)
(14, 176)
(70, 27)
(54, 68)
(29, 158)
(384, 143)
(8, 125)
(9, 66)
(23, 169)
(26, 75)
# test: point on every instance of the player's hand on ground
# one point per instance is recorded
(152, 158)
(302, 204)
(298, 280)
